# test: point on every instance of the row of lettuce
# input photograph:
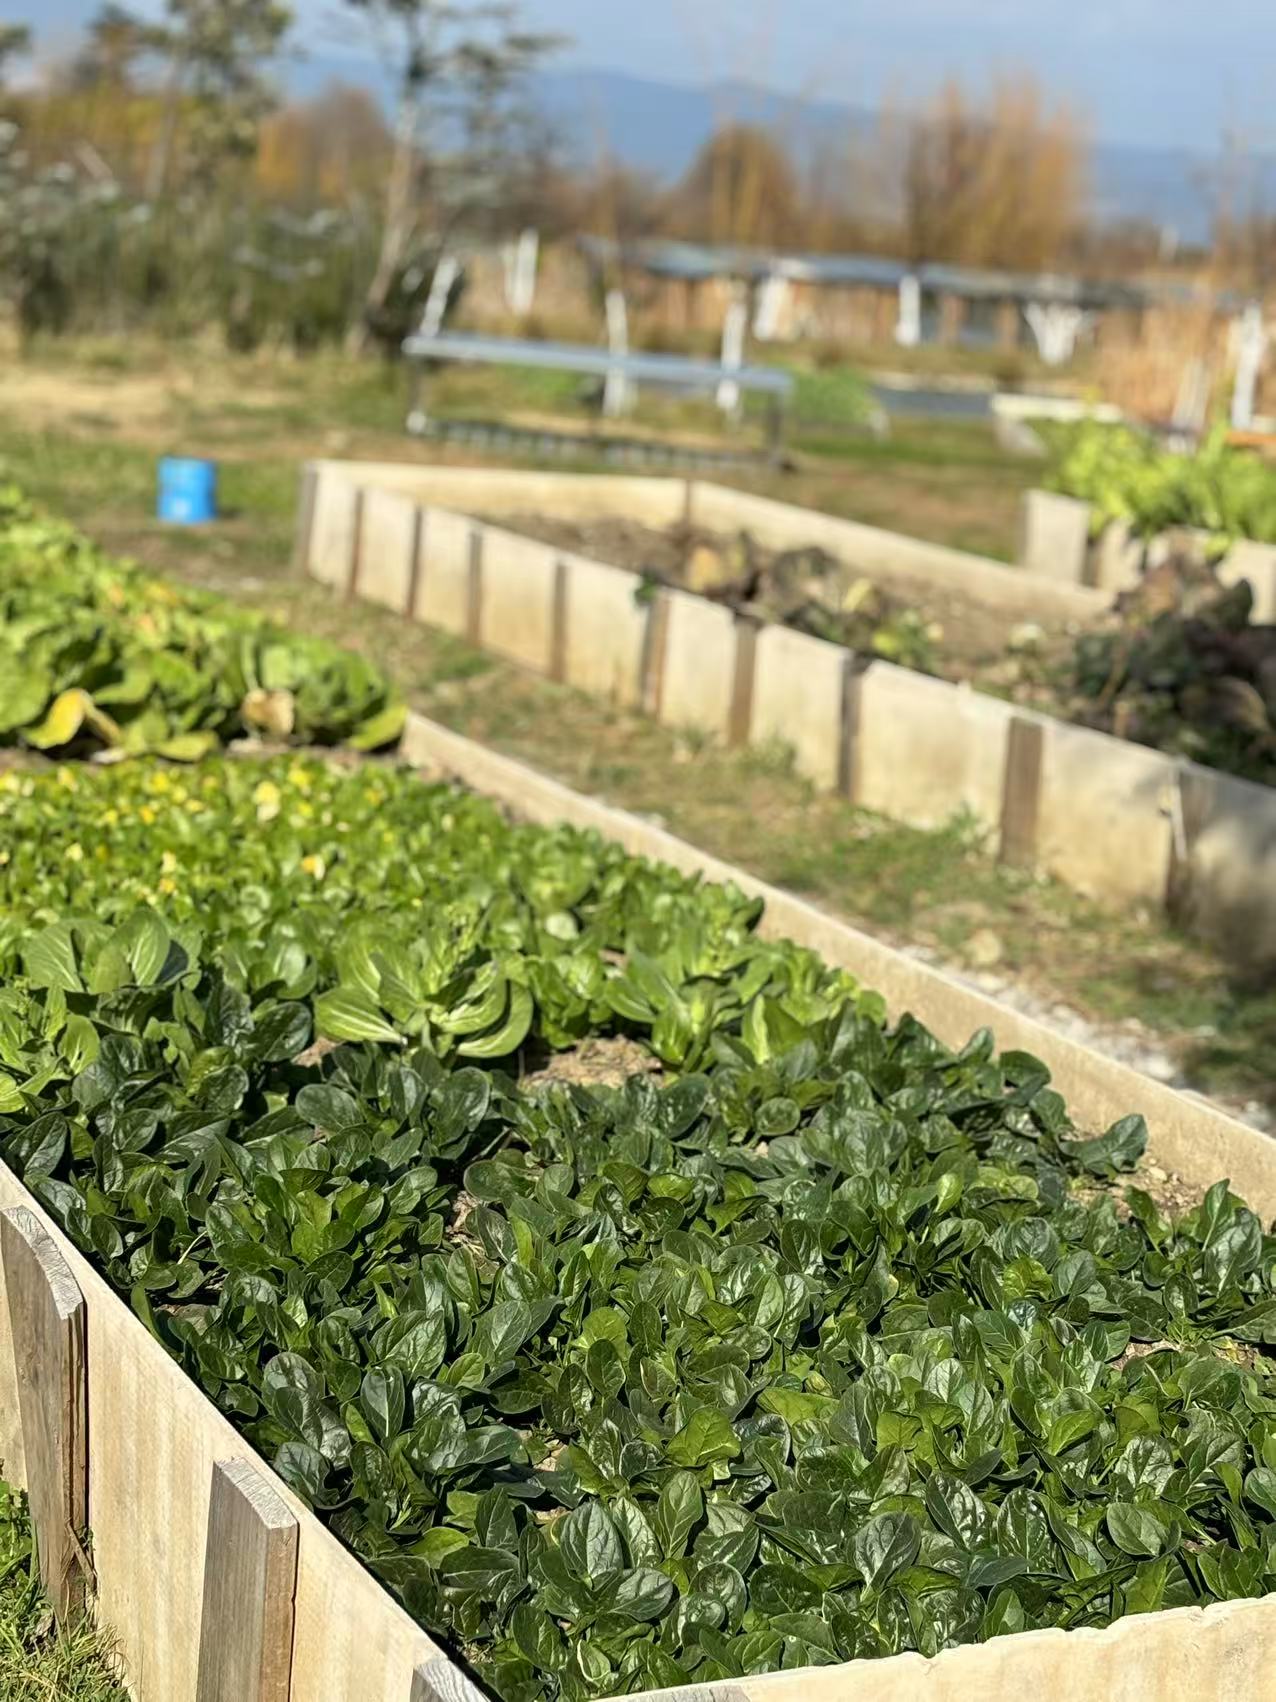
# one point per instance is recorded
(814, 1341)
(96, 655)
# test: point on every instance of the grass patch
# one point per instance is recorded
(941, 479)
(39, 1663)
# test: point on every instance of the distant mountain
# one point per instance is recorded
(657, 127)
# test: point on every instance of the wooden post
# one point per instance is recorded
(560, 615)
(655, 640)
(847, 764)
(740, 710)
(420, 524)
(48, 1324)
(356, 543)
(1188, 805)
(474, 589)
(305, 520)
(1021, 793)
(250, 1577)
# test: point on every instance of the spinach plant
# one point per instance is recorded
(94, 654)
(824, 1343)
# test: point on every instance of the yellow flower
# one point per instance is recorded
(67, 779)
(300, 776)
(167, 885)
(168, 863)
(9, 782)
(159, 781)
(266, 796)
(75, 853)
(147, 814)
(314, 865)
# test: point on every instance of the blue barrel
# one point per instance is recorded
(187, 490)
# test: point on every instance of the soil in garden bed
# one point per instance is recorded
(909, 621)
(1175, 664)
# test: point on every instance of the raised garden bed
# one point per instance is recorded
(1177, 665)
(816, 1341)
(1105, 814)
(98, 657)
(911, 620)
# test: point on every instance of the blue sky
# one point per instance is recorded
(1159, 71)
(1162, 72)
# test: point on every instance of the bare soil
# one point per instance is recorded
(598, 1062)
(1170, 1194)
(972, 643)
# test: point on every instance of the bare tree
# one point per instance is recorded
(993, 183)
(458, 63)
(741, 188)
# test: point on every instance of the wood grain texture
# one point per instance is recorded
(47, 1320)
(474, 588)
(848, 775)
(416, 561)
(304, 530)
(740, 713)
(655, 645)
(1021, 793)
(355, 562)
(559, 630)
(440, 1681)
(250, 1579)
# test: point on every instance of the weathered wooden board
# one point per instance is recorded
(440, 1681)
(47, 1321)
(250, 1581)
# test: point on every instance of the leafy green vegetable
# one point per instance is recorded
(823, 1345)
(1128, 476)
(95, 654)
